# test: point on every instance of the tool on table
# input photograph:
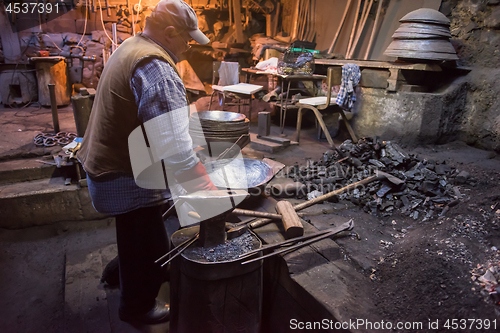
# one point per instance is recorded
(179, 248)
(308, 239)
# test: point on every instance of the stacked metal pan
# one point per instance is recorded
(217, 126)
(423, 34)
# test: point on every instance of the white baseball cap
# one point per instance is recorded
(180, 15)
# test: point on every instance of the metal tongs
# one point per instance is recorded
(301, 242)
(179, 248)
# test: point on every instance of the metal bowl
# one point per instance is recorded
(427, 15)
(219, 116)
(240, 174)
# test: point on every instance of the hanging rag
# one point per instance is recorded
(229, 73)
(350, 78)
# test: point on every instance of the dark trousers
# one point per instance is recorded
(141, 239)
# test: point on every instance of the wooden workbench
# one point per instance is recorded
(396, 70)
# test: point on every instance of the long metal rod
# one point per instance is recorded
(176, 248)
(298, 246)
(181, 250)
(295, 240)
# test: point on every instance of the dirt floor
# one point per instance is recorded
(417, 270)
(432, 271)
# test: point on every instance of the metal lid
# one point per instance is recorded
(415, 32)
(422, 49)
(426, 15)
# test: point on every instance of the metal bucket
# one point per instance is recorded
(222, 296)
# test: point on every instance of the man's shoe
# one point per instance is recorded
(160, 313)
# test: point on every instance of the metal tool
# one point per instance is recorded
(179, 248)
(316, 237)
(213, 208)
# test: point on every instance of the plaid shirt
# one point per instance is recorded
(157, 89)
(350, 78)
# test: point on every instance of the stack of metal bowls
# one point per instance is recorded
(423, 34)
(217, 126)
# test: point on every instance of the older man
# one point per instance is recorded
(139, 83)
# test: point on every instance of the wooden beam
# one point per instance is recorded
(360, 30)
(295, 21)
(374, 30)
(351, 38)
(237, 21)
(330, 50)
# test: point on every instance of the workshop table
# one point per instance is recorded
(285, 80)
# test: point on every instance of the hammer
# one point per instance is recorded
(291, 221)
(380, 175)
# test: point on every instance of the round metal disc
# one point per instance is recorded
(228, 174)
(219, 116)
(426, 15)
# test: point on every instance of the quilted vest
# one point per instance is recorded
(114, 114)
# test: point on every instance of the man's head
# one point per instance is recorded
(171, 18)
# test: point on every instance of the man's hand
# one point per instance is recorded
(195, 179)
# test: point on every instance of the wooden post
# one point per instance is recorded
(360, 30)
(295, 21)
(237, 21)
(351, 38)
(53, 104)
(374, 30)
(330, 50)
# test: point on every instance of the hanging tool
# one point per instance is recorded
(310, 239)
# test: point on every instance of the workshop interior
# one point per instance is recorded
(354, 145)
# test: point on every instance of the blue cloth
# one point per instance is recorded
(157, 89)
(350, 78)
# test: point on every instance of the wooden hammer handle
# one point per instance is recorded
(262, 222)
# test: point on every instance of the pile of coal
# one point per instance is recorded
(428, 188)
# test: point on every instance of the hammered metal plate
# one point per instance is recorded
(231, 174)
